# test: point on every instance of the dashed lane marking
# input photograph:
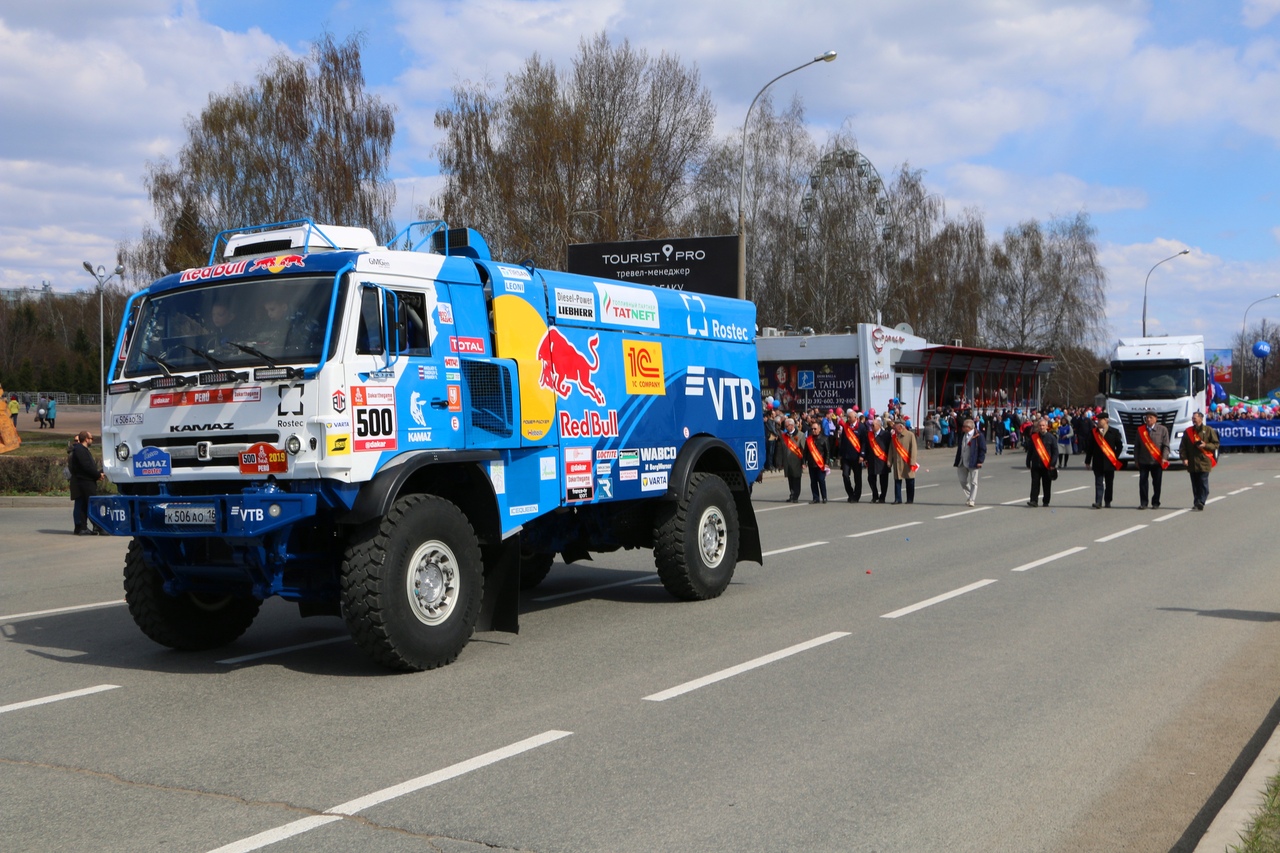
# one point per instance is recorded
(1238, 491)
(1169, 515)
(1124, 532)
(31, 614)
(937, 599)
(772, 508)
(591, 589)
(793, 548)
(351, 807)
(1058, 556)
(284, 650)
(964, 512)
(690, 686)
(71, 694)
(883, 530)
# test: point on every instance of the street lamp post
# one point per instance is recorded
(1244, 342)
(1144, 289)
(742, 177)
(100, 275)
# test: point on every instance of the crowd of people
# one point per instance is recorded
(46, 409)
(885, 444)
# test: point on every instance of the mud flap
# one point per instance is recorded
(500, 610)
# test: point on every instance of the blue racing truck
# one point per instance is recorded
(408, 436)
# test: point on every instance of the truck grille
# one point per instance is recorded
(1130, 421)
(220, 451)
(492, 409)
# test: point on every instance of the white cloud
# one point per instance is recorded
(1005, 198)
(1258, 13)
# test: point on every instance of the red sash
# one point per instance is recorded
(1150, 445)
(852, 435)
(902, 452)
(878, 450)
(813, 451)
(1043, 452)
(1100, 441)
(1195, 436)
(792, 446)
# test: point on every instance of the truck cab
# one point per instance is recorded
(1164, 375)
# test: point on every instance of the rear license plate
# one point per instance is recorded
(191, 514)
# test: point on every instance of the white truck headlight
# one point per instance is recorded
(293, 445)
(122, 451)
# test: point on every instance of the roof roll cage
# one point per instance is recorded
(227, 234)
(430, 227)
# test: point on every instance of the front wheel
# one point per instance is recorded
(412, 584)
(189, 622)
(696, 540)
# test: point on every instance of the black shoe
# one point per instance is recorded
(80, 531)
(897, 502)
(1198, 506)
(824, 500)
(1142, 506)
(1095, 506)
(1108, 504)
(814, 501)
(1033, 503)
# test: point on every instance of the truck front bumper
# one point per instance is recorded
(249, 515)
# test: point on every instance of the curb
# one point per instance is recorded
(34, 501)
(1237, 814)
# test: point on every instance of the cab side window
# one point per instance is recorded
(369, 331)
(411, 318)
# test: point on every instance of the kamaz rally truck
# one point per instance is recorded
(408, 437)
(1165, 376)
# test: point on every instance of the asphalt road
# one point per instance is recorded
(1081, 690)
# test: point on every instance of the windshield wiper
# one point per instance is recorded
(216, 364)
(257, 353)
(159, 360)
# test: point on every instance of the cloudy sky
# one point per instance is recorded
(1160, 119)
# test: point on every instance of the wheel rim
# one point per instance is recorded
(713, 536)
(432, 582)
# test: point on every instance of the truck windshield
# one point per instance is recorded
(1150, 382)
(241, 324)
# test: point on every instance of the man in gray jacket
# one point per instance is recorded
(1151, 452)
(971, 452)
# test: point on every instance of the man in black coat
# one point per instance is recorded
(817, 455)
(791, 457)
(1042, 452)
(85, 475)
(852, 447)
(1103, 445)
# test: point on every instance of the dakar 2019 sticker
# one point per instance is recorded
(263, 458)
(373, 408)
(579, 481)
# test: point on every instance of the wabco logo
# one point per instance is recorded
(200, 427)
(563, 363)
(278, 263)
(738, 393)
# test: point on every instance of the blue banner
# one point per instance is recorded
(1247, 433)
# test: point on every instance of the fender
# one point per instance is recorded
(708, 453)
(376, 496)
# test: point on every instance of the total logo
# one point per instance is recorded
(738, 393)
(563, 363)
(278, 263)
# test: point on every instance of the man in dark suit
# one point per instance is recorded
(1042, 451)
(1103, 445)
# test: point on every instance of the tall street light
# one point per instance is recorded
(1244, 342)
(101, 276)
(742, 178)
(1144, 289)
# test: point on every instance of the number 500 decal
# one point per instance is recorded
(375, 428)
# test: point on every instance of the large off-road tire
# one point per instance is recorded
(534, 566)
(190, 622)
(412, 584)
(696, 540)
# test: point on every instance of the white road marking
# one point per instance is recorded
(1238, 491)
(690, 686)
(937, 599)
(1173, 514)
(928, 486)
(16, 616)
(1011, 503)
(1215, 500)
(1073, 489)
(1258, 484)
(591, 589)
(883, 530)
(284, 650)
(965, 512)
(772, 508)
(1124, 532)
(1050, 558)
(351, 807)
(793, 548)
(72, 694)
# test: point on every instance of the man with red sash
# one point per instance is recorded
(817, 453)
(1042, 448)
(791, 457)
(852, 447)
(1102, 447)
(878, 449)
(1199, 451)
(905, 464)
(1151, 451)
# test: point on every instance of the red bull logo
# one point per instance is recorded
(563, 363)
(278, 263)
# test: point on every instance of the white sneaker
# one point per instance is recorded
(970, 503)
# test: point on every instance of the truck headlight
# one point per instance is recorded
(293, 445)
(122, 452)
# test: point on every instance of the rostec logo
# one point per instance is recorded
(738, 393)
(278, 263)
(563, 363)
(644, 367)
(627, 306)
(697, 326)
(339, 401)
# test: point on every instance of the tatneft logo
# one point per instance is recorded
(879, 337)
(627, 306)
(575, 305)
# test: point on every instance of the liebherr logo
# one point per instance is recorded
(738, 393)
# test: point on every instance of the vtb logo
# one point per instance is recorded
(644, 367)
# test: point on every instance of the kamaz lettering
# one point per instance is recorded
(200, 427)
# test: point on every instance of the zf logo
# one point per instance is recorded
(752, 453)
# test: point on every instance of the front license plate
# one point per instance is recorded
(191, 514)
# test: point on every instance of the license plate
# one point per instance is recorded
(191, 514)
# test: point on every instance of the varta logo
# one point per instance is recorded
(199, 427)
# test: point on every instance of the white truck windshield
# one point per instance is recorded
(1150, 382)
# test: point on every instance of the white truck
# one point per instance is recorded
(1162, 375)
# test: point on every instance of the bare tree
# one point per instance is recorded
(305, 141)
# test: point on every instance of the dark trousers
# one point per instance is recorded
(879, 484)
(851, 470)
(794, 483)
(1199, 487)
(80, 512)
(1102, 487)
(1040, 479)
(818, 483)
(897, 490)
(1156, 473)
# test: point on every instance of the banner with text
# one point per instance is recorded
(1247, 433)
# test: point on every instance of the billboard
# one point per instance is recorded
(694, 264)
(827, 385)
(1218, 364)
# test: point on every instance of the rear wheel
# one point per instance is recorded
(534, 566)
(696, 540)
(412, 584)
(191, 621)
